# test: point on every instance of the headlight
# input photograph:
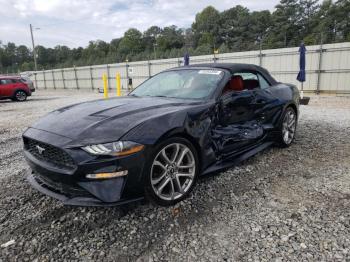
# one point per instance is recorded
(120, 148)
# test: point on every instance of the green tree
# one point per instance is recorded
(131, 43)
(170, 37)
(235, 28)
(206, 39)
(343, 23)
(286, 29)
(207, 22)
(23, 54)
(150, 37)
(308, 20)
(203, 50)
(260, 25)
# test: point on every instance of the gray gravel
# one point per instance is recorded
(281, 205)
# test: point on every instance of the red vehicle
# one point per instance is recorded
(15, 87)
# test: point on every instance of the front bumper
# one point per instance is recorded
(66, 199)
(72, 187)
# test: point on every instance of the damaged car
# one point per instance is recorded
(157, 141)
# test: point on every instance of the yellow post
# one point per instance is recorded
(118, 84)
(105, 86)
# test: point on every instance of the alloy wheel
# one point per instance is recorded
(21, 95)
(173, 171)
(289, 126)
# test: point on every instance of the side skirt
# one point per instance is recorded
(236, 159)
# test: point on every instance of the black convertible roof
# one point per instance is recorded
(233, 67)
(229, 66)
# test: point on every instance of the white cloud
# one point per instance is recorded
(75, 22)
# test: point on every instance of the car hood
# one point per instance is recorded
(107, 120)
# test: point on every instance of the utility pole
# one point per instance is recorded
(260, 39)
(155, 51)
(34, 51)
(319, 65)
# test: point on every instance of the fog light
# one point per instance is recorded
(107, 175)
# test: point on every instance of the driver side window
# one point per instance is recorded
(245, 81)
(250, 80)
(254, 80)
(241, 81)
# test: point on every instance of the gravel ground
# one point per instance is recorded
(281, 205)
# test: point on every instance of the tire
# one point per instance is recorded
(171, 172)
(20, 96)
(287, 128)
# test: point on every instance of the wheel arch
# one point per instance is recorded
(180, 132)
(291, 105)
(20, 89)
(295, 108)
(280, 140)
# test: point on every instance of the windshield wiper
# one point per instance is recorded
(154, 96)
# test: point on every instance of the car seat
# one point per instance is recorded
(235, 84)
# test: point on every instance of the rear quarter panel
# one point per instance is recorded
(288, 95)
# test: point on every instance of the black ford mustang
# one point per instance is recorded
(176, 126)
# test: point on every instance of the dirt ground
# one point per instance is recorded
(280, 205)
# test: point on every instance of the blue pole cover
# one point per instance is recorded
(187, 59)
(302, 63)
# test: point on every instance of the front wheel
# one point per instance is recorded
(20, 96)
(173, 171)
(288, 128)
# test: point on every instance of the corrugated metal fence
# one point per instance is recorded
(327, 69)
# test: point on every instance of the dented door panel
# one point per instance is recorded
(237, 126)
(232, 138)
(266, 106)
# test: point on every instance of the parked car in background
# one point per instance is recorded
(16, 88)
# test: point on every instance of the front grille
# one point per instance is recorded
(70, 190)
(48, 153)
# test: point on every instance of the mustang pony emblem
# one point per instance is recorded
(40, 149)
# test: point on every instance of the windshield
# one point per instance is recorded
(188, 83)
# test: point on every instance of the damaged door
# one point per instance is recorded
(236, 127)
(267, 105)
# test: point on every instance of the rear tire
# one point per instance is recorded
(171, 171)
(287, 129)
(20, 96)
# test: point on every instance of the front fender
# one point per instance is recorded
(194, 124)
(150, 131)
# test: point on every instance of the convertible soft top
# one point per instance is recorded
(233, 67)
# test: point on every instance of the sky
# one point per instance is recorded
(75, 22)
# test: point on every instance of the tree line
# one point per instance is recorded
(235, 29)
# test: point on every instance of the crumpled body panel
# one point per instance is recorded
(245, 133)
